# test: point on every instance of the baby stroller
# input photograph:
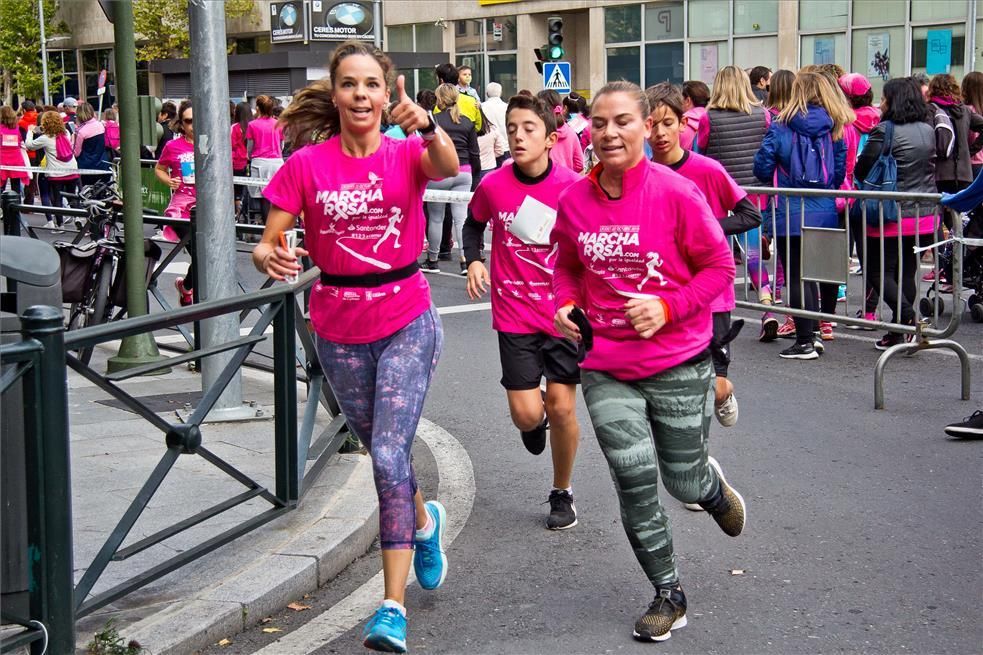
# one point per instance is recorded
(970, 201)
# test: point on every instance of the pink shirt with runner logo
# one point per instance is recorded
(178, 156)
(521, 274)
(267, 138)
(361, 216)
(722, 194)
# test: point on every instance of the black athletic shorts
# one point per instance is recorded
(526, 358)
(720, 344)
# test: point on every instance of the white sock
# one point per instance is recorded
(394, 604)
(569, 490)
(426, 531)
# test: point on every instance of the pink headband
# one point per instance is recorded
(558, 110)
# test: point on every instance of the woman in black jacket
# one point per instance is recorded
(462, 132)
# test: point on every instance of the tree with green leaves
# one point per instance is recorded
(162, 26)
(20, 52)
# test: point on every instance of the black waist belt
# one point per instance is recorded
(370, 279)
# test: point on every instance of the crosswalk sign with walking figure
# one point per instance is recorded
(556, 76)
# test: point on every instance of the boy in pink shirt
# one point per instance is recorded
(729, 204)
(519, 200)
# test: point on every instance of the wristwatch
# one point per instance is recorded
(430, 131)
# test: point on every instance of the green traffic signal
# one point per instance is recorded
(556, 52)
(554, 38)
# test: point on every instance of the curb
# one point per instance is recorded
(340, 533)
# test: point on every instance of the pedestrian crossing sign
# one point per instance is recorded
(556, 76)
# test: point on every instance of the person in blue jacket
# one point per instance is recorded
(804, 144)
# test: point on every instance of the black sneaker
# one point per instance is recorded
(970, 428)
(429, 266)
(891, 339)
(464, 269)
(563, 513)
(535, 440)
(667, 612)
(445, 256)
(817, 343)
(727, 508)
(800, 351)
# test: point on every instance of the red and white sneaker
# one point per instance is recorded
(787, 329)
(185, 296)
(826, 330)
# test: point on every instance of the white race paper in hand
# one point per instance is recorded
(534, 222)
(291, 238)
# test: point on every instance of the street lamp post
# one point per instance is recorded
(44, 53)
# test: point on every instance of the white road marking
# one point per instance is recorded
(177, 268)
(456, 491)
(463, 309)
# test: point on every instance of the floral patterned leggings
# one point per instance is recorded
(381, 387)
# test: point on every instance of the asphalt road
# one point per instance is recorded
(863, 536)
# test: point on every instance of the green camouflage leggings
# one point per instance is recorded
(642, 426)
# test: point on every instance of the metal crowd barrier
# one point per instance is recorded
(826, 256)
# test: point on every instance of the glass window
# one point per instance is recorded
(664, 21)
(427, 79)
(664, 63)
(400, 38)
(957, 49)
(879, 12)
(823, 14)
(925, 10)
(501, 33)
(468, 39)
(755, 16)
(709, 18)
(823, 49)
(705, 59)
(879, 54)
(762, 51)
(622, 24)
(502, 69)
(978, 66)
(429, 38)
(623, 64)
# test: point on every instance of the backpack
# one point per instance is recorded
(811, 161)
(63, 148)
(946, 144)
(883, 176)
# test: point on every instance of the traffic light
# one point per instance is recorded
(540, 58)
(554, 31)
(148, 109)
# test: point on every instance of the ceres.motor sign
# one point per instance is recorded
(338, 21)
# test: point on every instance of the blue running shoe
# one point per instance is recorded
(429, 561)
(386, 631)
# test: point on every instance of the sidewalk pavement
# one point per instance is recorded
(113, 452)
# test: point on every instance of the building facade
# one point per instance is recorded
(642, 41)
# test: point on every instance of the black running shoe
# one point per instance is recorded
(727, 508)
(667, 612)
(800, 351)
(971, 428)
(429, 266)
(535, 440)
(563, 513)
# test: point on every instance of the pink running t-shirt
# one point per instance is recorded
(178, 156)
(361, 216)
(267, 138)
(722, 193)
(521, 273)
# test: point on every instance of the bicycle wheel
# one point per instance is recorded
(96, 310)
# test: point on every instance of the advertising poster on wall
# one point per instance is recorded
(938, 51)
(824, 51)
(340, 21)
(879, 55)
(708, 63)
(288, 22)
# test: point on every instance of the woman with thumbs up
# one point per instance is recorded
(378, 334)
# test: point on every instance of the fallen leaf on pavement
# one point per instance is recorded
(225, 642)
(271, 630)
(267, 619)
(298, 607)
(737, 571)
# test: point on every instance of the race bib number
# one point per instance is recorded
(534, 222)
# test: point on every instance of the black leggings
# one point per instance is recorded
(898, 273)
(56, 187)
(189, 277)
(818, 296)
